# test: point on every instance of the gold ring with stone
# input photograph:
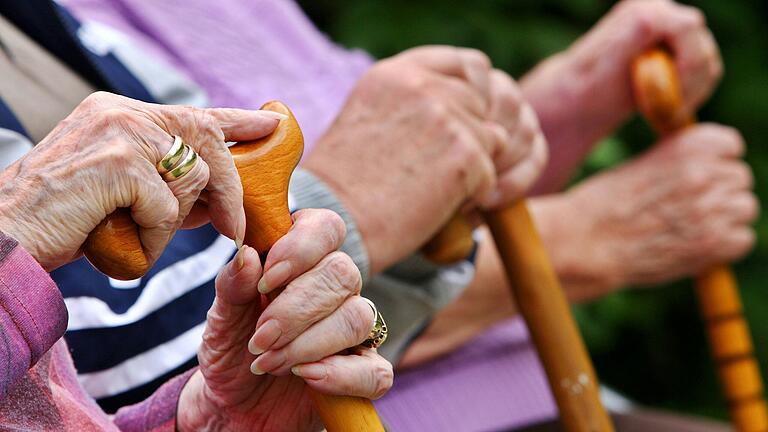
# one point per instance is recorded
(378, 334)
(172, 158)
(184, 166)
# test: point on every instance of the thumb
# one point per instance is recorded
(245, 125)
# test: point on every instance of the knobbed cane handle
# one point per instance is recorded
(659, 98)
(114, 247)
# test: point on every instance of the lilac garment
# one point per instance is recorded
(242, 52)
(493, 383)
(38, 382)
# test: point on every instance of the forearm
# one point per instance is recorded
(489, 299)
(32, 312)
(574, 114)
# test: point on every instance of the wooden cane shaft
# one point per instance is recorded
(547, 313)
(659, 98)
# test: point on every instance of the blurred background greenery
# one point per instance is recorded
(649, 343)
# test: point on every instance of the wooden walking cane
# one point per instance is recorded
(659, 98)
(265, 168)
(544, 307)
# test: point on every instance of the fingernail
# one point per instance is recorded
(239, 262)
(240, 234)
(493, 199)
(273, 115)
(310, 371)
(275, 276)
(255, 369)
(264, 337)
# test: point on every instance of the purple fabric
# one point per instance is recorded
(38, 382)
(495, 382)
(32, 312)
(241, 52)
(158, 412)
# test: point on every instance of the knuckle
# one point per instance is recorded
(343, 272)
(95, 99)
(693, 15)
(333, 227)
(358, 317)
(205, 123)
(437, 113)
(383, 378)
(475, 58)
(694, 175)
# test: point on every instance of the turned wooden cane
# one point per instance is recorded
(659, 99)
(543, 305)
(265, 168)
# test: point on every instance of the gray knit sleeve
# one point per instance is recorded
(408, 293)
(308, 191)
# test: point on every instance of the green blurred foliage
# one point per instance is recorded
(647, 343)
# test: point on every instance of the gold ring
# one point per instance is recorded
(184, 167)
(378, 334)
(172, 158)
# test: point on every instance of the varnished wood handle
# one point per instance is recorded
(659, 98)
(546, 310)
(452, 243)
(114, 247)
(265, 167)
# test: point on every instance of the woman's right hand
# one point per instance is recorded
(104, 156)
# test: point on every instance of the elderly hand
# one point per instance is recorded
(317, 316)
(420, 134)
(104, 155)
(683, 206)
(584, 93)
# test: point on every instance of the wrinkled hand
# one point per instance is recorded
(584, 93)
(421, 133)
(602, 57)
(104, 155)
(302, 332)
(684, 205)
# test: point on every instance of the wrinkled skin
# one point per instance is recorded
(583, 93)
(420, 134)
(319, 314)
(681, 207)
(104, 155)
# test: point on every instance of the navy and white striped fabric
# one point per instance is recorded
(143, 331)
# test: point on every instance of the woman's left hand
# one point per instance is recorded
(319, 315)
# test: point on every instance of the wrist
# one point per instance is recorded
(568, 92)
(580, 259)
(13, 227)
(193, 413)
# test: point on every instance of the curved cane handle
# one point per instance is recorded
(114, 247)
(659, 99)
(265, 168)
